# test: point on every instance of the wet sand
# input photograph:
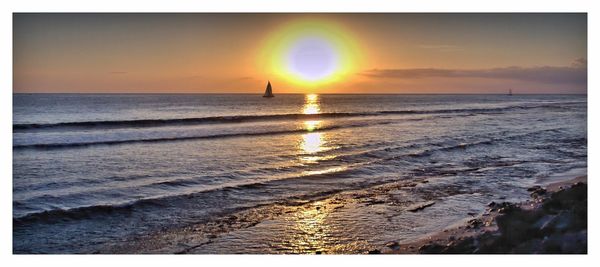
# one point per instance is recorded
(330, 224)
(340, 223)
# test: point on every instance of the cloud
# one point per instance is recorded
(579, 63)
(545, 74)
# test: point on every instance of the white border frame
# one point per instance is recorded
(286, 6)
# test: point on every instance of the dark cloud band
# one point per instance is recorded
(546, 74)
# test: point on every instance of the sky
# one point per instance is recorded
(300, 53)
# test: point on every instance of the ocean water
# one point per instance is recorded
(292, 174)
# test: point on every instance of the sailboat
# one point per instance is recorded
(269, 90)
(509, 91)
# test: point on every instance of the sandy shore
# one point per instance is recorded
(377, 211)
(553, 221)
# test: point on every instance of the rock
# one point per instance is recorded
(507, 207)
(431, 248)
(574, 243)
(536, 191)
(543, 223)
(318, 252)
(561, 222)
(534, 188)
(375, 251)
(541, 191)
(558, 225)
(393, 245)
(424, 247)
(474, 223)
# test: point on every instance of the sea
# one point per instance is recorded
(239, 173)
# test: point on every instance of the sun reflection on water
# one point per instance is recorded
(325, 171)
(311, 125)
(311, 104)
(311, 229)
(312, 143)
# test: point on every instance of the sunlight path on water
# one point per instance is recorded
(313, 143)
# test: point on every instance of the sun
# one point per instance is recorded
(312, 58)
(310, 52)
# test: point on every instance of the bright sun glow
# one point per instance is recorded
(310, 52)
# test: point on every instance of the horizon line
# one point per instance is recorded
(163, 93)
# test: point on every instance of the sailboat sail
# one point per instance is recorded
(268, 91)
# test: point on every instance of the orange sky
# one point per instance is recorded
(220, 53)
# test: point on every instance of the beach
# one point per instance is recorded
(294, 174)
(536, 227)
(554, 221)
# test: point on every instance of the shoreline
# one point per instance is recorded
(197, 237)
(544, 224)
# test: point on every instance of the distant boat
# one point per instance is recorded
(509, 91)
(268, 91)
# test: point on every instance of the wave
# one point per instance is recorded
(253, 118)
(184, 138)
(57, 215)
(182, 121)
(84, 212)
(159, 202)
